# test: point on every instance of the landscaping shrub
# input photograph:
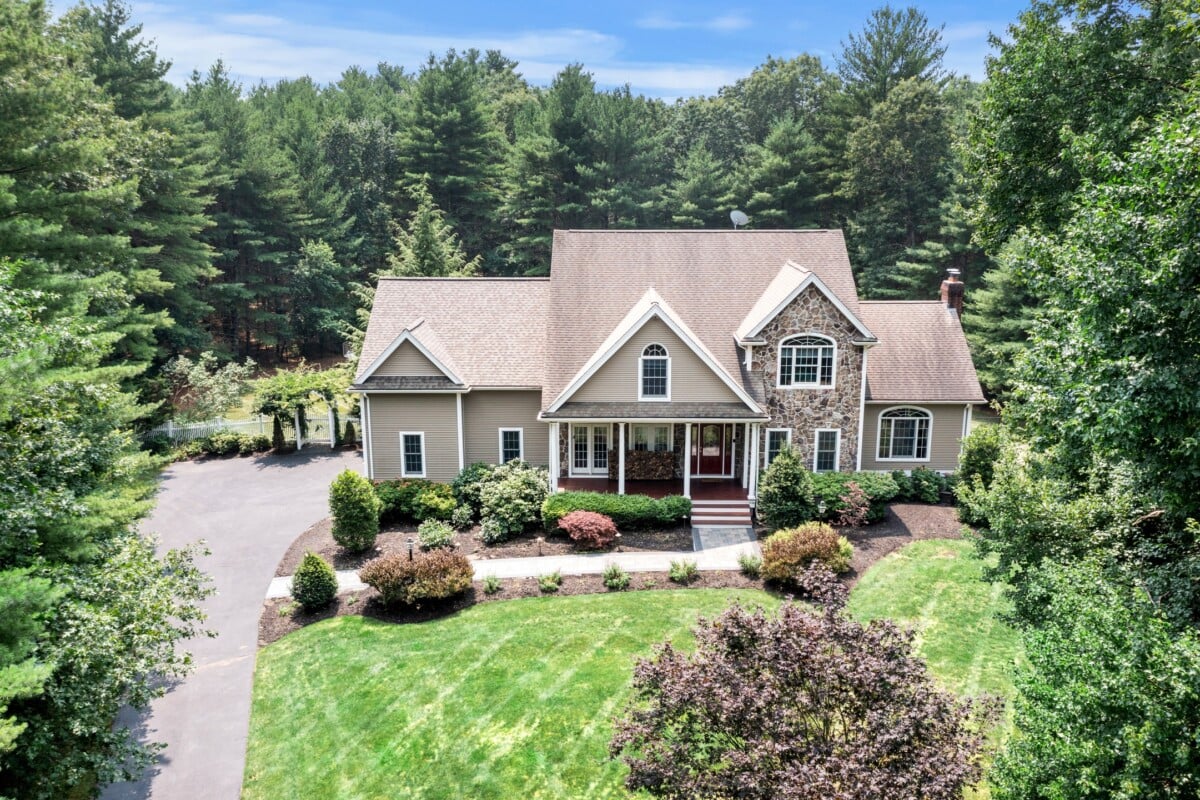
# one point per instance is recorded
(831, 487)
(435, 533)
(976, 467)
(786, 496)
(435, 575)
(922, 485)
(512, 497)
(750, 565)
(349, 435)
(278, 442)
(222, 443)
(615, 578)
(683, 572)
(355, 509)
(549, 584)
(249, 444)
(789, 552)
(315, 584)
(434, 502)
(190, 449)
(627, 511)
(491, 531)
(589, 529)
(157, 443)
(462, 517)
(401, 499)
(491, 584)
(468, 484)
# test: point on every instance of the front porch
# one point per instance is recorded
(702, 488)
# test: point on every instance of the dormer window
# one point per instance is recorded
(806, 362)
(655, 373)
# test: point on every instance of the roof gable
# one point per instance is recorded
(650, 307)
(788, 284)
(408, 355)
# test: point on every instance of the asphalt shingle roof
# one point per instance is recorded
(489, 331)
(922, 354)
(711, 278)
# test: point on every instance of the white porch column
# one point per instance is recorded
(333, 434)
(746, 456)
(687, 460)
(620, 458)
(364, 430)
(754, 433)
(554, 466)
(296, 425)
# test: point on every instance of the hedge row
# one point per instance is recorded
(626, 510)
(831, 487)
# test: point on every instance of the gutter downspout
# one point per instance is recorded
(368, 450)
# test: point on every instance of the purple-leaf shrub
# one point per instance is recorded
(800, 705)
(589, 529)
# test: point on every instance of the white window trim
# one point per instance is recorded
(929, 433)
(837, 447)
(651, 426)
(520, 440)
(404, 473)
(779, 364)
(766, 454)
(640, 376)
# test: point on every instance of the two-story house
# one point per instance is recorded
(664, 362)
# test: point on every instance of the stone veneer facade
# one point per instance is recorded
(806, 410)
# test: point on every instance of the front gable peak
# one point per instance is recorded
(788, 284)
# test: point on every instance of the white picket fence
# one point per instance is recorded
(186, 432)
(319, 429)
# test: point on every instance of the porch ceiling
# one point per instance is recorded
(654, 410)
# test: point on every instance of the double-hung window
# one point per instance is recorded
(655, 438)
(825, 454)
(412, 454)
(778, 440)
(806, 362)
(904, 434)
(511, 444)
(654, 379)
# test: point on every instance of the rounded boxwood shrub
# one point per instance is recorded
(786, 496)
(436, 575)
(435, 533)
(434, 502)
(355, 509)
(589, 529)
(786, 554)
(315, 583)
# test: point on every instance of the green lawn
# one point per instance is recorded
(935, 587)
(511, 699)
(515, 699)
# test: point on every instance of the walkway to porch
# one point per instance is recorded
(702, 488)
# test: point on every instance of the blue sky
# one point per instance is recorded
(663, 49)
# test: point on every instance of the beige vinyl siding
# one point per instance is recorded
(407, 361)
(486, 412)
(433, 414)
(944, 435)
(691, 380)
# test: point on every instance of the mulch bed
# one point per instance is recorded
(904, 523)
(281, 616)
(394, 539)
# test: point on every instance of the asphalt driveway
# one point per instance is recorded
(248, 510)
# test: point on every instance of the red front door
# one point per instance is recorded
(710, 444)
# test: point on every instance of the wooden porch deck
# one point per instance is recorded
(702, 488)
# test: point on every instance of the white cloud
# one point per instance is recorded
(257, 47)
(722, 24)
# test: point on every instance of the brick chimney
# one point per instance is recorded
(952, 291)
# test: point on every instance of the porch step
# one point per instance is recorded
(720, 513)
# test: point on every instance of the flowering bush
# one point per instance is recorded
(511, 498)
(589, 529)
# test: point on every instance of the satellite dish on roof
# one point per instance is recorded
(738, 218)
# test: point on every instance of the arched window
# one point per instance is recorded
(904, 434)
(654, 373)
(806, 362)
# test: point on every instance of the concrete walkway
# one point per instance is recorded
(721, 558)
(248, 510)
